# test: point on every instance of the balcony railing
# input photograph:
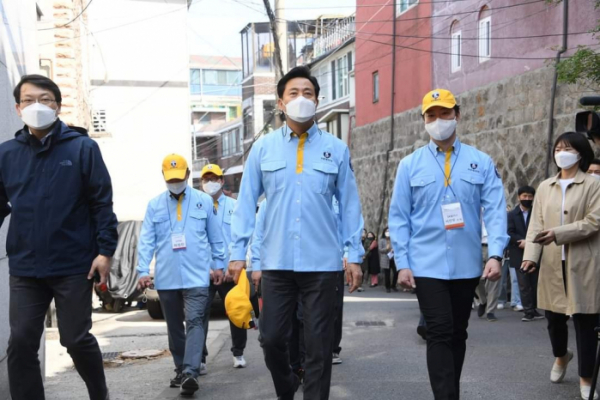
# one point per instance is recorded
(336, 33)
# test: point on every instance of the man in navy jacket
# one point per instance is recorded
(62, 234)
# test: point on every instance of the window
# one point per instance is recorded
(99, 121)
(248, 123)
(456, 53)
(350, 61)
(375, 86)
(485, 39)
(404, 5)
(343, 86)
(324, 77)
(232, 142)
(195, 82)
(333, 92)
(220, 77)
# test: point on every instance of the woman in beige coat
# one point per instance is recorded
(565, 222)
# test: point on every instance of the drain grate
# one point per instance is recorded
(370, 323)
(110, 356)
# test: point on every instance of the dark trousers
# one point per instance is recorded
(280, 290)
(239, 337)
(391, 276)
(297, 346)
(339, 314)
(528, 288)
(446, 306)
(29, 302)
(585, 335)
(186, 343)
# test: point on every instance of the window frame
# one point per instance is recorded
(485, 27)
(375, 85)
(456, 52)
(410, 4)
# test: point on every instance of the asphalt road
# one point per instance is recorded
(507, 359)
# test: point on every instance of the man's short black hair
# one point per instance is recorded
(595, 161)
(39, 81)
(526, 189)
(579, 143)
(297, 72)
(456, 109)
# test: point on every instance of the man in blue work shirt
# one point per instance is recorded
(182, 230)
(299, 168)
(212, 184)
(435, 226)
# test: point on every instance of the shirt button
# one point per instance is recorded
(422, 183)
(298, 201)
(299, 166)
(566, 212)
(449, 247)
(297, 219)
(297, 237)
(298, 183)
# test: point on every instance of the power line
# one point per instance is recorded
(71, 21)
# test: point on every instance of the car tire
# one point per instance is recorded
(154, 309)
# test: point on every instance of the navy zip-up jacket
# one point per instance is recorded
(61, 207)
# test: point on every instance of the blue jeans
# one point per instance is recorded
(515, 297)
(186, 344)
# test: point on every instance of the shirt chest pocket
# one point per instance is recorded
(273, 173)
(423, 189)
(227, 216)
(198, 220)
(161, 223)
(469, 187)
(322, 177)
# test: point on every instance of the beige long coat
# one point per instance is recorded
(579, 234)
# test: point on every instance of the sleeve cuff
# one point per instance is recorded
(402, 263)
(106, 252)
(143, 274)
(559, 235)
(237, 254)
(218, 264)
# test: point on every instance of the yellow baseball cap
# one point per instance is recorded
(438, 97)
(238, 305)
(174, 167)
(213, 168)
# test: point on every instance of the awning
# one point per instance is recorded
(238, 169)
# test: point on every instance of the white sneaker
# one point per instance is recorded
(239, 362)
(558, 373)
(501, 306)
(336, 359)
(203, 369)
(518, 308)
(585, 392)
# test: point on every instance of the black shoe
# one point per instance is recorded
(537, 315)
(481, 310)
(422, 331)
(176, 382)
(491, 317)
(290, 395)
(395, 289)
(388, 290)
(189, 385)
(528, 317)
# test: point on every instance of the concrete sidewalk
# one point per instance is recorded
(117, 333)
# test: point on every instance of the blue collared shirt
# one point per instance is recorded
(258, 236)
(224, 213)
(301, 228)
(419, 238)
(189, 267)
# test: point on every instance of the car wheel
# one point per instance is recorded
(154, 309)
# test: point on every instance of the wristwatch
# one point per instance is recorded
(499, 259)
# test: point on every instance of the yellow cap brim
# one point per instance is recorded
(210, 172)
(438, 103)
(174, 174)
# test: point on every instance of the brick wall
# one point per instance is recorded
(507, 119)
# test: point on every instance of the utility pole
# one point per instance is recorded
(282, 36)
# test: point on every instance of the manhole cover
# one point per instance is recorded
(110, 356)
(370, 323)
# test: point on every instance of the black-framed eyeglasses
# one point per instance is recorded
(46, 102)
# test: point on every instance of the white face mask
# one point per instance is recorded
(387, 234)
(301, 109)
(596, 176)
(177, 188)
(441, 129)
(211, 188)
(565, 159)
(38, 116)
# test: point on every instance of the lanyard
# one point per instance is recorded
(186, 214)
(446, 178)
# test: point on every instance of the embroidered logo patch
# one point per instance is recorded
(66, 163)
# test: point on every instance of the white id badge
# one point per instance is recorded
(453, 217)
(178, 241)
